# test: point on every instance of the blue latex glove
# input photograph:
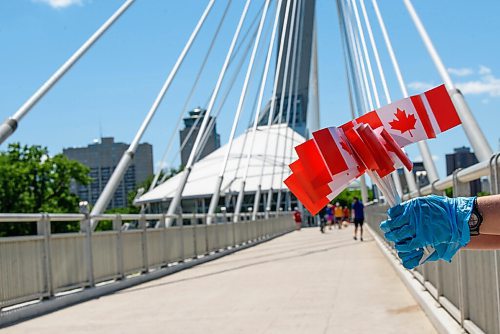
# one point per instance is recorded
(436, 221)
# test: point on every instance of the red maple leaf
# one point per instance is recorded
(403, 122)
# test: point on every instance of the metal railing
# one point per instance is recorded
(42, 266)
(468, 287)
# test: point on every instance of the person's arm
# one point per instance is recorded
(489, 208)
(443, 223)
(489, 237)
(484, 242)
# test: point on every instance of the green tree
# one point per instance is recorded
(31, 181)
(346, 197)
(106, 225)
(131, 208)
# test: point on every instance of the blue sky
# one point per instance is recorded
(113, 86)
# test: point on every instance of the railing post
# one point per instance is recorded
(439, 284)
(205, 227)
(180, 224)
(459, 188)
(463, 295)
(462, 189)
(226, 232)
(163, 225)
(193, 223)
(117, 226)
(494, 190)
(43, 228)
(143, 226)
(494, 179)
(85, 227)
(233, 229)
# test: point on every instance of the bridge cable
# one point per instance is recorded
(395, 183)
(362, 83)
(249, 126)
(429, 164)
(386, 184)
(255, 111)
(271, 111)
(290, 103)
(11, 123)
(258, 108)
(228, 91)
(282, 102)
(295, 104)
(116, 177)
(271, 108)
(211, 125)
(189, 97)
(353, 84)
(175, 203)
(215, 196)
(272, 103)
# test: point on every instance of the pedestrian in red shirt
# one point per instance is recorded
(297, 216)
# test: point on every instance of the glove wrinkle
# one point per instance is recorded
(435, 221)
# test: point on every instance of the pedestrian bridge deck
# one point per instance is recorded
(303, 282)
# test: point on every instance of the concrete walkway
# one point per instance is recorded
(304, 282)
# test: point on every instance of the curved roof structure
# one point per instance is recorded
(204, 174)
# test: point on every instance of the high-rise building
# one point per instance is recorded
(195, 119)
(419, 173)
(462, 158)
(102, 158)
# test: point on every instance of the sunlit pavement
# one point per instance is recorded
(303, 282)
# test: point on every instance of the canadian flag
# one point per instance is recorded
(334, 157)
(326, 165)
(415, 118)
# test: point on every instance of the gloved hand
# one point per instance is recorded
(436, 221)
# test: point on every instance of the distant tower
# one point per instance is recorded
(420, 174)
(213, 141)
(304, 54)
(462, 158)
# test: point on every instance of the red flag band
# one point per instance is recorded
(334, 157)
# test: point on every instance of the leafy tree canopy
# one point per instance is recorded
(32, 181)
(346, 197)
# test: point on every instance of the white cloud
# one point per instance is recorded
(483, 70)
(486, 83)
(461, 72)
(420, 86)
(59, 4)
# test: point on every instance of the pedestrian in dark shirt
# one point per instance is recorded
(359, 217)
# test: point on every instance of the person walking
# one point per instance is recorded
(322, 223)
(329, 215)
(359, 217)
(297, 216)
(339, 214)
(347, 215)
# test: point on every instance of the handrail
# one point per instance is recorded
(468, 174)
(59, 217)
